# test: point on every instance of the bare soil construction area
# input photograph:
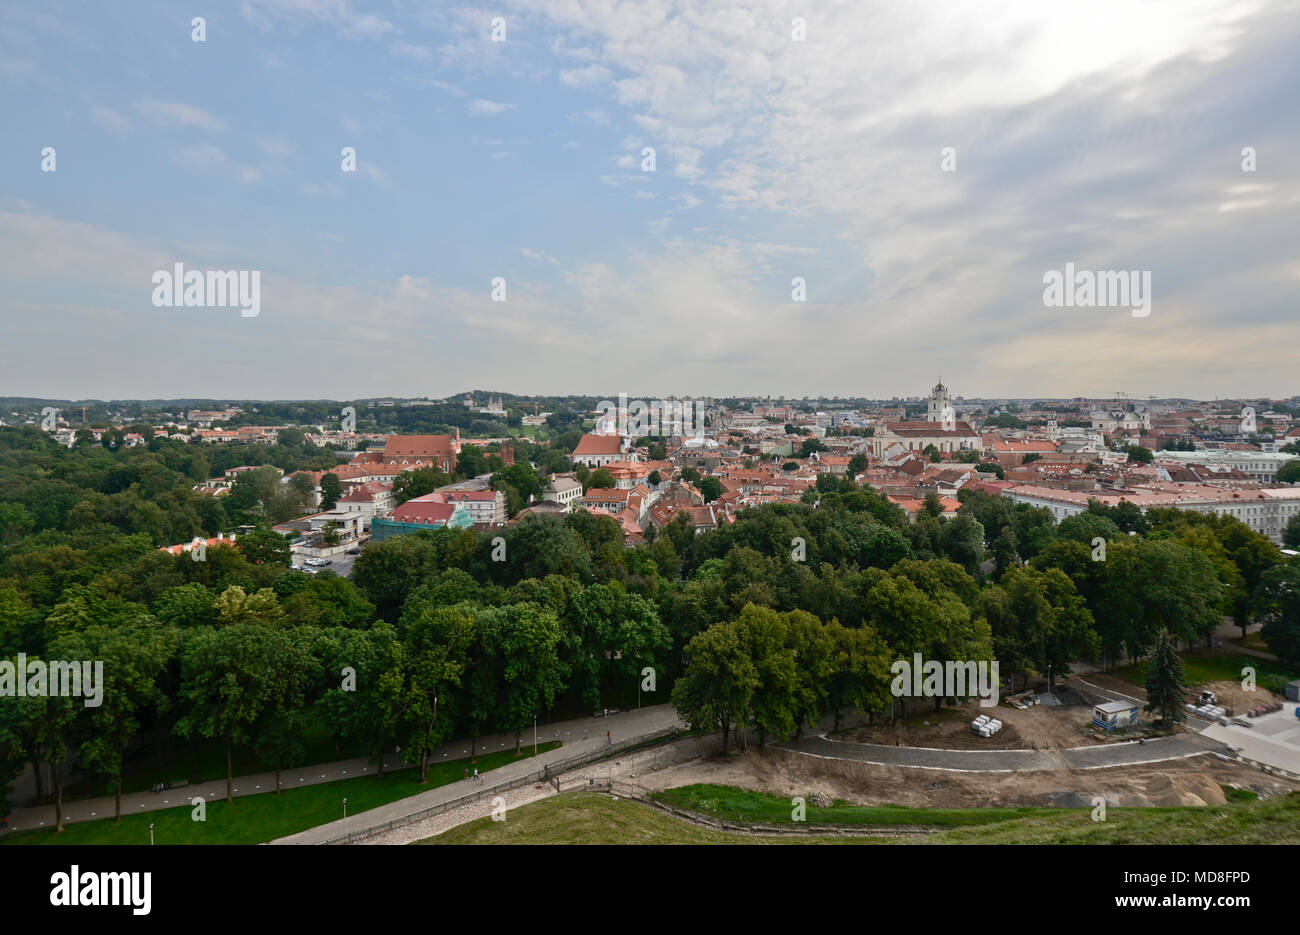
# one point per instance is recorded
(1037, 728)
(1192, 781)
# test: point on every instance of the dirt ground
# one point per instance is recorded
(1192, 781)
(1231, 696)
(1036, 728)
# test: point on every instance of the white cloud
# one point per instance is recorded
(177, 114)
(337, 14)
(484, 108)
(592, 76)
(418, 53)
(109, 119)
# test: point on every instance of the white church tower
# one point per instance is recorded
(940, 402)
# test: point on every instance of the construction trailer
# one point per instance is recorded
(1113, 715)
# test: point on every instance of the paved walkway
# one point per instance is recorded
(577, 736)
(1007, 761)
(1273, 738)
(634, 726)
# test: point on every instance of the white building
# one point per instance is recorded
(1265, 510)
(564, 489)
(1261, 465)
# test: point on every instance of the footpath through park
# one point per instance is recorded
(581, 735)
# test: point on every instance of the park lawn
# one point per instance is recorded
(1220, 667)
(252, 819)
(598, 818)
(729, 802)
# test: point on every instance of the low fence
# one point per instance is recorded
(548, 773)
(1262, 767)
(637, 793)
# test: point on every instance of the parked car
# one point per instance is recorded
(355, 551)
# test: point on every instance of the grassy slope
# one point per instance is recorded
(253, 819)
(595, 818)
(728, 802)
(1198, 670)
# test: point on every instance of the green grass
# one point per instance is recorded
(1252, 641)
(1271, 821)
(595, 818)
(734, 804)
(253, 819)
(1198, 670)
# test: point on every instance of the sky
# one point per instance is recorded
(919, 167)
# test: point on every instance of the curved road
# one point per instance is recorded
(1009, 761)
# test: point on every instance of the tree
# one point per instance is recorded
(435, 653)
(1039, 622)
(859, 669)
(362, 682)
(716, 689)
(1291, 533)
(330, 533)
(600, 478)
(1165, 684)
(471, 462)
(134, 658)
(330, 491)
(1289, 473)
(711, 489)
(809, 446)
(43, 729)
(1005, 555)
(1139, 455)
(857, 464)
(962, 541)
(932, 504)
(654, 478)
(417, 483)
(1031, 457)
(527, 639)
(226, 685)
(265, 547)
(295, 674)
(1278, 602)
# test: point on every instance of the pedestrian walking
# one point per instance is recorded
(609, 740)
(466, 773)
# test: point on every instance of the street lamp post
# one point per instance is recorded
(534, 735)
(345, 819)
(151, 833)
